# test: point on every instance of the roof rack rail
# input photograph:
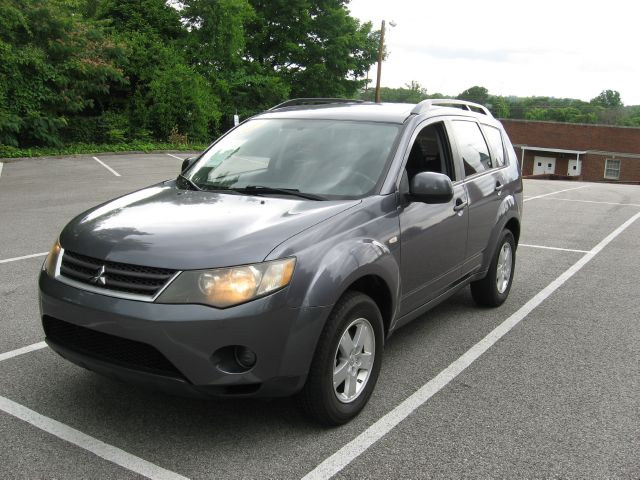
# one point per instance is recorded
(313, 101)
(425, 105)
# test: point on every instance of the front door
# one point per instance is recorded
(543, 165)
(574, 168)
(433, 236)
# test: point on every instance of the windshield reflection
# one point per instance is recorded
(335, 159)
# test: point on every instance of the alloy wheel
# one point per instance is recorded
(354, 358)
(503, 270)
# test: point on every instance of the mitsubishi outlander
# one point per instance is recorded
(282, 258)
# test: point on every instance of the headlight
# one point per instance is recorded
(51, 262)
(225, 287)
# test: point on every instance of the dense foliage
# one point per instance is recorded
(139, 72)
(123, 71)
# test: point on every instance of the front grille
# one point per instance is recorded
(120, 277)
(108, 348)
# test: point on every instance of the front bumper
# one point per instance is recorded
(283, 339)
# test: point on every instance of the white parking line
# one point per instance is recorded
(88, 443)
(1, 165)
(593, 201)
(23, 350)
(553, 193)
(174, 156)
(107, 166)
(552, 248)
(343, 457)
(24, 257)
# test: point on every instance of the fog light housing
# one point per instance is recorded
(245, 357)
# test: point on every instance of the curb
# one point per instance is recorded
(97, 154)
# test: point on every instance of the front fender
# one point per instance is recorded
(347, 262)
(332, 255)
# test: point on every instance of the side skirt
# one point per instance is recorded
(455, 287)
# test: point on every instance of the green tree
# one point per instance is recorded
(179, 98)
(217, 34)
(537, 114)
(411, 93)
(54, 65)
(315, 46)
(631, 117)
(216, 48)
(499, 106)
(608, 99)
(475, 94)
(163, 91)
(152, 16)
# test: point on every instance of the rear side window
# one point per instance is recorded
(512, 159)
(495, 140)
(473, 148)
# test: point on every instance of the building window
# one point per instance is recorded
(612, 169)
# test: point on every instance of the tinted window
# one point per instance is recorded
(430, 152)
(495, 140)
(334, 159)
(473, 148)
(511, 153)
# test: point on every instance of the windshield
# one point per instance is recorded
(328, 158)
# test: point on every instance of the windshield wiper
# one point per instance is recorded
(284, 191)
(190, 182)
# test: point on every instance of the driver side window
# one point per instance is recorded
(430, 152)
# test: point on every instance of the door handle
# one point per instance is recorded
(499, 187)
(460, 205)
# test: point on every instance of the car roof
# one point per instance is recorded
(375, 112)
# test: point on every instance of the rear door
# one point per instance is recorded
(433, 236)
(484, 181)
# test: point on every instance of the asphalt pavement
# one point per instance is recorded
(557, 396)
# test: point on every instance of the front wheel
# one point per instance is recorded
(345, 367)
(494, 289)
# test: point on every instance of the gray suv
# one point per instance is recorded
(282, 258)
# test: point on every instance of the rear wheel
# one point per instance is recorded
(347, 361)
(494, 289)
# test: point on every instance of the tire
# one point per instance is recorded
(354, 313)
(494, 289)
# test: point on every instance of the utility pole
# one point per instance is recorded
(380, 52)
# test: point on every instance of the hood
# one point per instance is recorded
(162, 226)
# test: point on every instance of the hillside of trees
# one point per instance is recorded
(605, 108)
(109, 71)
(113, 72)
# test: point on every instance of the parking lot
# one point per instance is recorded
(546, 386)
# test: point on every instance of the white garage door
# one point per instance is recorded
(542, 165)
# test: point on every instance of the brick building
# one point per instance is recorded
(593, 153)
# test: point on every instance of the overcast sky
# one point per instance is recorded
(556, 48)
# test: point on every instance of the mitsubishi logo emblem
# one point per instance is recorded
(99, 278)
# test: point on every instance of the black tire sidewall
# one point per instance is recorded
(506, 236)
(358, 306)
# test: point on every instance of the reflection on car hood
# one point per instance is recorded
(162, 226)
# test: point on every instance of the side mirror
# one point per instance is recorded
(187, 162)
(431, 187)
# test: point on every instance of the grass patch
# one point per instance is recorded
(84, 148)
